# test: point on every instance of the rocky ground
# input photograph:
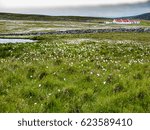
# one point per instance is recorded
(84, 31)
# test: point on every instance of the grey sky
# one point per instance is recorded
(61, 3)
(112, 8)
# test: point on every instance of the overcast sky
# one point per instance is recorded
(50, 3)
(98, 8)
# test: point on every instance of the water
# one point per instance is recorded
(4, 41)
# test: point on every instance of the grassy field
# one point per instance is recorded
(107, 72)
(19, 23)
(22, 26)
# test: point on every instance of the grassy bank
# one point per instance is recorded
(106, 72)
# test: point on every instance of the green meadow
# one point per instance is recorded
(102, 72)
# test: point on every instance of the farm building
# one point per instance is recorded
(125, 21)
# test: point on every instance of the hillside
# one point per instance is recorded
(12, 16)
(145, 16)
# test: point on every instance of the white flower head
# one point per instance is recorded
(98, 75)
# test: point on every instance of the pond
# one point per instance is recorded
(4, 41)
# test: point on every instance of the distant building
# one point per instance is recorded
(125, 21)
(108, 22)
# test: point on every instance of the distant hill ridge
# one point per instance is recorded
(13, 16)
(145, 16)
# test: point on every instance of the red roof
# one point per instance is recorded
(118, 20)
(124, 20)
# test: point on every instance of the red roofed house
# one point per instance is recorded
(125, 21)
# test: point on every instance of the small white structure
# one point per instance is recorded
(108, 22)
(125, 21)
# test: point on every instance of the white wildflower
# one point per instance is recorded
(104, 82)
(98, 75)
